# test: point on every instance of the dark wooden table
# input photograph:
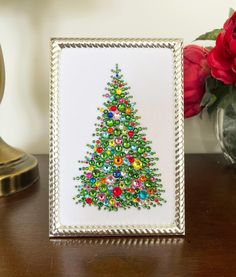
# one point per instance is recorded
(208, 249)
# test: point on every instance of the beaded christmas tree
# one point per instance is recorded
(119, 171)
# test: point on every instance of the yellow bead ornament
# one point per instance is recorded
(118, 91)
(101, 110)
(97, 184)
(137, 164)
(112, 202)
(90, 168)
(112, 142)
(122, 186)
(128, 110)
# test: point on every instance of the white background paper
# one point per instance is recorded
(84, 73)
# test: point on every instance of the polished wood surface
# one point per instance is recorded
(208, 249)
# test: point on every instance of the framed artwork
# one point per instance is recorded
(116, 137)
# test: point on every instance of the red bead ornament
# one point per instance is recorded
(99, 150)
(120, 85)
(97, 141)
(156, 200)
(109, 130)
(126, 102)
(89, 201)
(130, 133)
(131, 159)
(113, 108)
(131, 123)
(117, 191)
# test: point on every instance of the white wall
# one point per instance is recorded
(27, 25)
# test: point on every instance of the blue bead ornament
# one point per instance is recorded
(143, 195)
(117, 174)
(105, 202)
(106, 168)
(134, 147)
(126, 161)
(110, 115)
(110, 188)
(92, 180)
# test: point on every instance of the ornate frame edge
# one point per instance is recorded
(55, 228)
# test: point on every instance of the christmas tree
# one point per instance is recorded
(120, 169)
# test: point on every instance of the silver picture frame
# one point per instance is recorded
(56, 229)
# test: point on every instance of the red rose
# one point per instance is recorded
(195, 71)
(222, 58)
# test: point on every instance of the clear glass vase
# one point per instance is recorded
(226, 131)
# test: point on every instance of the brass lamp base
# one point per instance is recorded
(18, 170)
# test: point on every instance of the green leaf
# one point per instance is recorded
(212, 35)
(217, 94)
(231, 11)
(209, 98)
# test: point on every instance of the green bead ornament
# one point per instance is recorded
(103, 155)
(135, 175)
(126, 145)
(118, 148)
(128, 196)
(109, 122)
(92, 193)
(117, 122)
(127, 182)
(111, 136)
(121, 107)
(117, 132)
(148, 185)
(99, 164)
(141, 150)
(103, 188)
